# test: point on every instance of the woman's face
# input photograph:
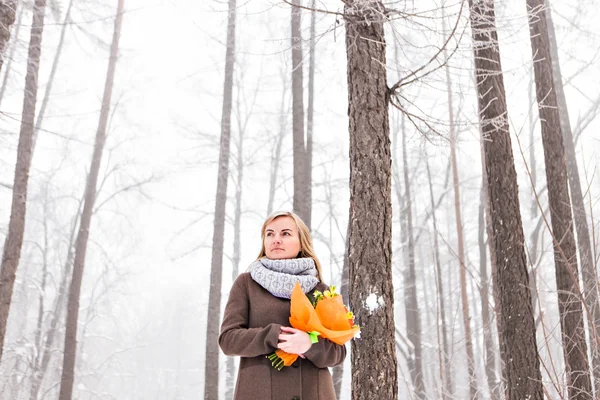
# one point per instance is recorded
(282, 239)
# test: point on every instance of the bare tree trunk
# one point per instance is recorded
(447, 385)
(12, 53)
(237, 221)
(300, 157)
(461, 253)
(45, 351)
(42, 290)
(413, 319)
(532, 160)
(211, 364)
(276, 157)
(338, 371)
(374, 365)
(565, 252)
(588, 269)
(310, 112)
(44, 104)
(8, 11)
(16, 226)
(68, 370)
(509, 265)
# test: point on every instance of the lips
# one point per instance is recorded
(276, 249)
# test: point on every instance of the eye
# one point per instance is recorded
(269, 234)
(287, 233)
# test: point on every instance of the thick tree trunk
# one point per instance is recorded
(300, 158)
(588, 268)
(68, 371)
(509, 265)
(211, 364)
(8, 12)
(473, 391)
(413, 319)
(565, 252)
(16, 226)
(374, 366)
(447, 385)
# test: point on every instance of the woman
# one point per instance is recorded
(256, 320)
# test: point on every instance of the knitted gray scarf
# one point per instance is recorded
(280, 276)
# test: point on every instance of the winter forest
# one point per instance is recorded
(443, 153)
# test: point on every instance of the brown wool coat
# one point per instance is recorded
(251, 324)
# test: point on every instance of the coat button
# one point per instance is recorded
(296, 364)
(296, 398)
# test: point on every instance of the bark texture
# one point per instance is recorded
(374, 366)
(509, 265)
(211, 364)
(565, 252)
(586, 259)
(16, 225)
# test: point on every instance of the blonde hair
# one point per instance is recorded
(306, 246)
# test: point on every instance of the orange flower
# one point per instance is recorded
(330, 318)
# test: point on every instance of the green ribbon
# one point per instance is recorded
(314, 336)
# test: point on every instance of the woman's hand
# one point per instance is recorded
(294, 341)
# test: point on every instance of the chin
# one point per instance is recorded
(278, 256)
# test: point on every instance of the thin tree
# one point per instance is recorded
(338, 371)
(301, 167)
(473, 391)
(310, 111)
(448, 387)
(70, 349)
(413, 319)
(407, 238)
(211, 364)
(509, 265)
(16, 227)
(374, 365)
(565, 252)
(276, 152)
(57, 55)
(237, 222)
(8, 10)
(44, 353)
(588, 268)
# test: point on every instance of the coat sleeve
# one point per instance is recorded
(325, 354)
(236, 339)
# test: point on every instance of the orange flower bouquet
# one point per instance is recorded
(329, 318)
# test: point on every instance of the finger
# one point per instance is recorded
(289, 329)
(283, 338)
